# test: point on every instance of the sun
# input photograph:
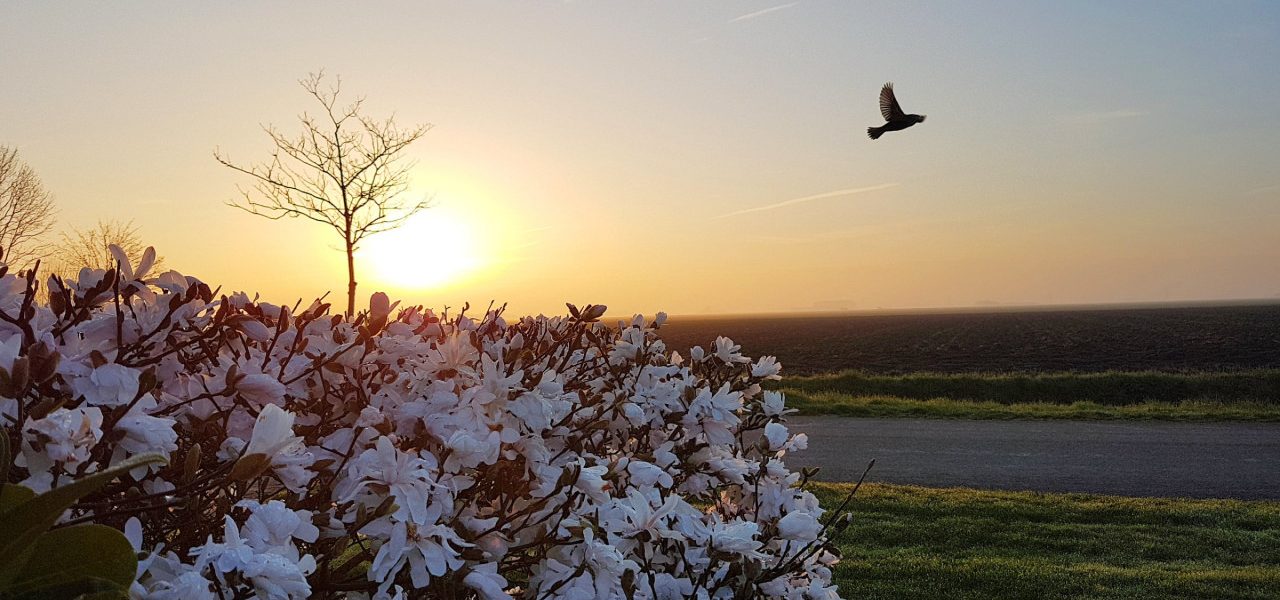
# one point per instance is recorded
(431, 249)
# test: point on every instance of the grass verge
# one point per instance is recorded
(1113, 388)
(1179, 396)
(914, 542)
(848, 405)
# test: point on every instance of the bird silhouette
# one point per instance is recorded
(896, 119)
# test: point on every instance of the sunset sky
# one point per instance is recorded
(688, 157)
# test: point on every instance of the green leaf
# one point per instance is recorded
(112, 595)
(22, 524)
(6, 457)
(87, 558)
(12, 494)
(88, 588)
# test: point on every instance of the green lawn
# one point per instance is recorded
(913, 542)
(849, 405)
(1193, 396)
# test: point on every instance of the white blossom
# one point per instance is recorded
(428, 551)
(767, 367)
(272, 432)
(145, 433)
(737, 537)
(776, 435)
(108, 385)
(729, 352)
(486, 581)
(426, 447)
(63, 437)
(260, 388)
(798, 525)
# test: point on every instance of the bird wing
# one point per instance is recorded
(889, 105)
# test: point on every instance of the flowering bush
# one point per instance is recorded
(402, 452)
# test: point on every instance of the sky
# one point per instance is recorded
(687, 157)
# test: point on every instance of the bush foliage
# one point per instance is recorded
(402, 452)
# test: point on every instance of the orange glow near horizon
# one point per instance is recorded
(432, 249)
(695, 161)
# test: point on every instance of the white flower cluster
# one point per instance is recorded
(404, 453)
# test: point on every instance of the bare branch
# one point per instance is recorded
(26, 210)
(344, 170)
(91, 248)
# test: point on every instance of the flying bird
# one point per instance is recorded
(896, 119)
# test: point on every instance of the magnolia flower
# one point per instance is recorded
(737, 537)
(10, 348)
(167, 578)
(469, 451)
(591, 481)
(729, 352)
(232, 554)
(275, 577)
(272, 439)
(380, 307)
(636, 514)
(670, 587)
(588, 448)
(260, 388)
(486, 581)
(254, 329)
(646, 475)
(173, 282)
(64, 436)
(272, 527)
(664, 456)
(767, 367)
(628, 346)
(455, 353)
(403, 475)
(272, 432)
(776, 435)
(798, 525)
(633, 413)
(293, 467)
(272, 575)
(128, 272)
(714, 414)
(429, 551)
(108, 385)
(144, 433)
(773, 404)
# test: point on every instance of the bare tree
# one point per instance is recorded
(91, 247)
(26, 210)
(344, 170)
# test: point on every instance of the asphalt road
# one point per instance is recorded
(1196, 460)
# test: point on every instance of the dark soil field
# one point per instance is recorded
(1200, 338)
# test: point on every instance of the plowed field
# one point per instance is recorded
(1199, 338)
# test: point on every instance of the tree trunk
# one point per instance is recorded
(351, 281)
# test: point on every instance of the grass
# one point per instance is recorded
(1183, 396)
(846, 405)
(914, 542)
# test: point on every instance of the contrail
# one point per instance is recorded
(762, 12)
(1093, 118)
(844, 192)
